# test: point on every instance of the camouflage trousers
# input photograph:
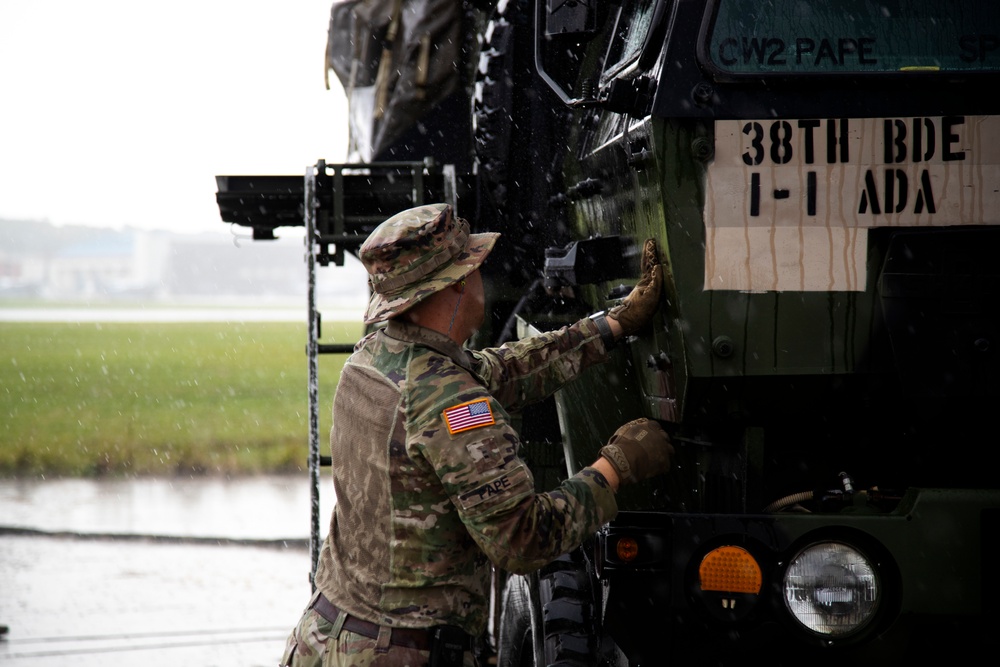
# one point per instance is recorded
(315, 642)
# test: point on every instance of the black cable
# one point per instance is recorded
(174, 539)
(138, 635)
(144, 647)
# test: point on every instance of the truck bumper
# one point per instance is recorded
(933, 558)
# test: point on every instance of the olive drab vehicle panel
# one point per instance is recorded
(822, 180)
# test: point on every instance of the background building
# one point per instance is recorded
(39, 261)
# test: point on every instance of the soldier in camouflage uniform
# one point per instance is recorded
(429, 486)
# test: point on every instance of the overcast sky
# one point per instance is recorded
(121, 112)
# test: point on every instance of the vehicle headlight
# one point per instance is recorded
(832, 589)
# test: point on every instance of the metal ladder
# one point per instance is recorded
(339, 205)
(336, 212)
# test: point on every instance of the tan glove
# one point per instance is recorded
(639, 450)
(638, 307)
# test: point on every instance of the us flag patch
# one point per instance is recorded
(464, 416)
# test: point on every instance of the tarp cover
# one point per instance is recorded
(396, 60)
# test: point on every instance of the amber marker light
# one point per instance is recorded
(627, 549)
(729, 569)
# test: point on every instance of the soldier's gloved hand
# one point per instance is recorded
(639, 306)
(639, 450)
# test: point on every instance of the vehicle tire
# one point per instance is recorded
(519, 131)
(493, 102)
(567, 617)
(516, 648)
(568, 612)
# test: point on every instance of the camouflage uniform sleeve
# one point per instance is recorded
(522, 535)
(493, 489)
(528, 370)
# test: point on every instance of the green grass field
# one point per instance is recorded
(87, 399)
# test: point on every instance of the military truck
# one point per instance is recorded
(823, 179)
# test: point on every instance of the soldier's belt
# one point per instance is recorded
(417, 638)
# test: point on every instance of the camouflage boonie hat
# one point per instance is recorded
(416, 253)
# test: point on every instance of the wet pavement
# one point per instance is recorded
(207, 572)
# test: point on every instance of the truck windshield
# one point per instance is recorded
(792, 37)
